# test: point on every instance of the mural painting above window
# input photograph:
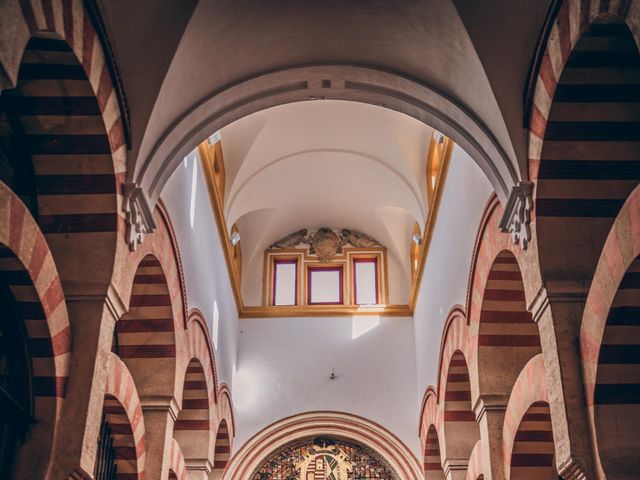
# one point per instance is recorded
(324, 458)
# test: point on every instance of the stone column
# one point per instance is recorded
(490, 411)
(455, 468)
(160, 414)
(92, 320)
(198, 469)
(559, 316)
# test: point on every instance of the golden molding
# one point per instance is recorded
(211, 153)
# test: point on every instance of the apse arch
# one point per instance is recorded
(333, 424)
(337, 82)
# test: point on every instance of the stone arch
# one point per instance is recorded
(507, 335)
(311, 424)
(461, 432)
(123, 413)
(177, 468)
(192, 429)
(66, 109)
(475, 471)
(347, 82)
(527, 437)
(432, 459)
(584, 143)
(28, 271)
(609, 346)
(222, 452)
(146, 335)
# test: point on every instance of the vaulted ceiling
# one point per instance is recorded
(326, 163)
(178, 59)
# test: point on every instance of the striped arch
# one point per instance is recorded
(585, 132)
(28, 270)
(192, 429)
(475, 471)
(460, 431)
(222, 449)
(528, 446)
(432, 459)
(123, 412)
(507, 335)
(177, 468)
(609, 346)
(146, 336)
(431, 441)
(224, 433)
(151, 275)
(66, 111)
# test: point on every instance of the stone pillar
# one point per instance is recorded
(160, 414)
(559, 316)
(455, 468)
(490, 411)
(92, 320)
(198, 468)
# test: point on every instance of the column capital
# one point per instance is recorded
(199, 465)
(161, 403)
(571, 469)
(556, 292)
(490, 403)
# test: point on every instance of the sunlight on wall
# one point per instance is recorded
(194, 177)
(363, 324)
(244, 388)
(215, 328)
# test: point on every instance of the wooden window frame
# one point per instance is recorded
(288, 260)
(339, 267)
(355, 259)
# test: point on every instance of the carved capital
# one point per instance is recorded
(516, 218)
(556, 292)
(455, 465)
(570, 469)
(138, 215)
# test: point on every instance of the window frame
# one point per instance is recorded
(284, 260)
(355, 259)
(328, 268)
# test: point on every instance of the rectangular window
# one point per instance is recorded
(324, 286)
(365, 281)
(285, 281)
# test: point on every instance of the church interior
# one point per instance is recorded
(303, 240)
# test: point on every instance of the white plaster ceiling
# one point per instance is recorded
(326, 163)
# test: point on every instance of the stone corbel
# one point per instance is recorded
(138, 215)
(570, 469)
(517, 214)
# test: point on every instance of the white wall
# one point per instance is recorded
(446, 272)
(205, 271)
(284, 366)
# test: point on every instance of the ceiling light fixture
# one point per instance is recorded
(417, 239)
(234, 238)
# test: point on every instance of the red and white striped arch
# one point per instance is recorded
(475, 470)
(574, 17)
(28, 270)
(177, 467)
(527, 440)
(304, 425)
(609, 336)
(123, 412)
